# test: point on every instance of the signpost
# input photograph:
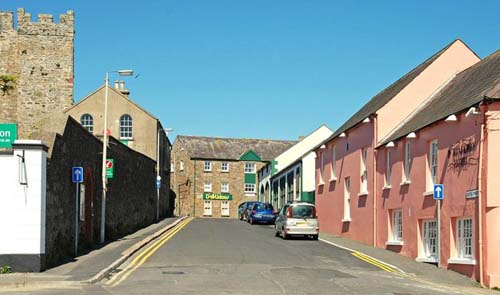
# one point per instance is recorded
(438, 195)
(110, 168)
(77, 177)
(8, 134)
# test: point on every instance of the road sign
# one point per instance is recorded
(158, 184)
(110, 168)
(77, 174)
(438, 191)
(8, 133)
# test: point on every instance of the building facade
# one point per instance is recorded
(212, 176)
(379, 169)
(291, 175)
(39, 57)
(131, 124)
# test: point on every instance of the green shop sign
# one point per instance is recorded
(8, 133)
(217, 197)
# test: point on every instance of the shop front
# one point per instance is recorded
(217, 204)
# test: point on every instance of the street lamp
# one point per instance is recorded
(158, 177)
(104, 148)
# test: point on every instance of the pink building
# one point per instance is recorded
(359, 198)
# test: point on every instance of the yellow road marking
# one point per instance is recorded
(143, 256)
(373, 262)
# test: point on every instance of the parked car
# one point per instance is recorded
(242, 209)
(297, 219)
(261, 213)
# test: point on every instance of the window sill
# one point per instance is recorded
(465, 261)
(427, 259)
(430, 193)
(394, 243)
(406, 182)
(387, 187)
(362, 194)
(333, 179)
(249, 194)
(127, 138)
(346, 220)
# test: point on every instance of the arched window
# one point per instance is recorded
(87, 122)
(125, 127)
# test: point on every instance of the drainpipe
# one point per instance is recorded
(194, 190)
(482, 139)
(374, 192)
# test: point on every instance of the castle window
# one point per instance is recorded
(87, 122)
(125, 127)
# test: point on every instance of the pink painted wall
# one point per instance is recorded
(330, 195)
(492, 188)
(458, 173)
(455, 59)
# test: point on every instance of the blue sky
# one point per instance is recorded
(262, 69)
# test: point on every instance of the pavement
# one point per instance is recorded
(406, 266)
(92, 267)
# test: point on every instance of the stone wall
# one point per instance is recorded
(40, 55)
(131, 196)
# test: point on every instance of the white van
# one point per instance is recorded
(297, 219)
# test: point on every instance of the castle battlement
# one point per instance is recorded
(44, 25)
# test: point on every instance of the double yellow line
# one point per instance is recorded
(144, 255)
(374, 262)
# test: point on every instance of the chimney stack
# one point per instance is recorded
(123, 90)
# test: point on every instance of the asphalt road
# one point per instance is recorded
(216, 256)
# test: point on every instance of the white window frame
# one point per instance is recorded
(407, 162)
(433, 163)
(207, 208)
(347, 199)
(207, 187)
(224, 166)
(250, 167)
(429, 239)
(388, 166)
(87, 122)
(364, 172)
(207, 166)
(224, 208)
(224, 187)
(333, 175)
(126, 126)
(397, 225)
(465, 239)
(322, 168)
(249, 188)
(181, 165)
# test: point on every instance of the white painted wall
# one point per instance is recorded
(304, 146)
(22, 207)
(308, 172)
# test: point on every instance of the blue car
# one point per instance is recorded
(261, 213)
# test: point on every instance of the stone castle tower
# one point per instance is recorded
(40, 56)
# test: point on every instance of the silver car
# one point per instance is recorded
(297, 219)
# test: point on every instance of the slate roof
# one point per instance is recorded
(468, 88)
(383, 97)
(201, 147)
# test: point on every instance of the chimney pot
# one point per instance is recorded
(117, 86)
(122, 84)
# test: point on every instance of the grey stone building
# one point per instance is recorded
(212, 176)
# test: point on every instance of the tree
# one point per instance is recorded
(7, 83)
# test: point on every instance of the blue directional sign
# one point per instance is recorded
(77, 174)
(158, 184)
(438, 191)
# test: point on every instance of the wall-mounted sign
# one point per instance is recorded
(472, 194)
(8, 133)
(216, 197)
(110, 168)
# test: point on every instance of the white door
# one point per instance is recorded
(224, 208)
(430, 238)
(207, 208)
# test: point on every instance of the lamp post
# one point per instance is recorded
(158, 177)
(104, 149)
